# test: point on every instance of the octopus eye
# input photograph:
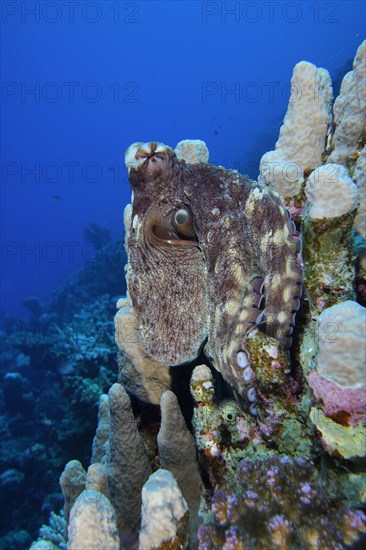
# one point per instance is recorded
(174, 229)
(162, 232)
(182, 222)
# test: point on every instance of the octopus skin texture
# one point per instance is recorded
(211, 256)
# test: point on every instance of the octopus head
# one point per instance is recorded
(166, 277)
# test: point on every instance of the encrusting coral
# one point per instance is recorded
(338, 382)
(215, 281)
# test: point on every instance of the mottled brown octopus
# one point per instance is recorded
(211, 256)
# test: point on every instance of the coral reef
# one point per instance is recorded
(332, 199)
(338, 381)
(97, 478)
(342, 344)
(53, 368)
(359, 175)
(103, 429)
(101, 276)
(72, 483)
(330, 192)
(267, 451)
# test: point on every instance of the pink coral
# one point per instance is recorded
(345, 406)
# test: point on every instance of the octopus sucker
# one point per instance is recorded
(258, 285)
(242, 359)
(261, 318)
(299, 290)
(251, 394)
(212, 258)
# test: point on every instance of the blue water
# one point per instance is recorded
(83, 80)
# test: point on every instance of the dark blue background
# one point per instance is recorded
(139, 71)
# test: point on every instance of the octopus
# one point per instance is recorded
(212, 255)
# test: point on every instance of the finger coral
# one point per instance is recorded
(349, 111)
(93, 523)
(164, 514)
(177, 453)
(300, 145)
(128, 466)
(140, 374)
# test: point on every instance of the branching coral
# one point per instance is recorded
(52, 535)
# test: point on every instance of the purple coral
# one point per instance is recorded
(354, 522)
(206, 535)
(280, 530)
(233, 540)
(225, 508)
(284, 503)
